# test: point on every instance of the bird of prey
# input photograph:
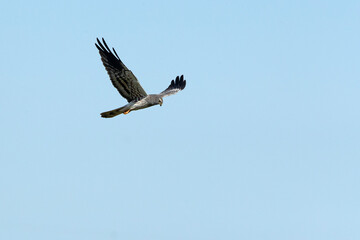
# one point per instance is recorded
(128, 85)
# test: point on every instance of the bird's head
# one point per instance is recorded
(160, 101)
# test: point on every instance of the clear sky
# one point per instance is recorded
(263, 143)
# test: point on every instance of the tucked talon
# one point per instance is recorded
(127, 112)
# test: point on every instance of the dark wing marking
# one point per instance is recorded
(121, 77)
(174, 87)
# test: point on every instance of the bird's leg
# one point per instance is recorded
(127, 111)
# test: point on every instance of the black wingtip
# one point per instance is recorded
(102, 46)
(116, 54)
(106, 46)
(98, 41)
(176, 84)
(99, 45)
(179, 82)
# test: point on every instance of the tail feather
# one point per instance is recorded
(115, 112)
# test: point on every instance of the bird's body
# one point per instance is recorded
(128, 85)
(148, 101)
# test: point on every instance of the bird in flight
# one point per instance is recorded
(128, 85)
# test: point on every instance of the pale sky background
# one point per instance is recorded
(263, 143)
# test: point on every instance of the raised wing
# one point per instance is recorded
(174, 87)
(121, 77)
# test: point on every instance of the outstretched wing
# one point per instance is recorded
(121, 77)
(174, 87)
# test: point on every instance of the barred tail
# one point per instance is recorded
(115, 112)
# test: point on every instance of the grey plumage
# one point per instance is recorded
(128, 85)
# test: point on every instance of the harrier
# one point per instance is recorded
(128, 85)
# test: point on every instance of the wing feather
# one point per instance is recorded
(121, 77)
(174, 87)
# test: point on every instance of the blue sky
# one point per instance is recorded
(263, 143)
